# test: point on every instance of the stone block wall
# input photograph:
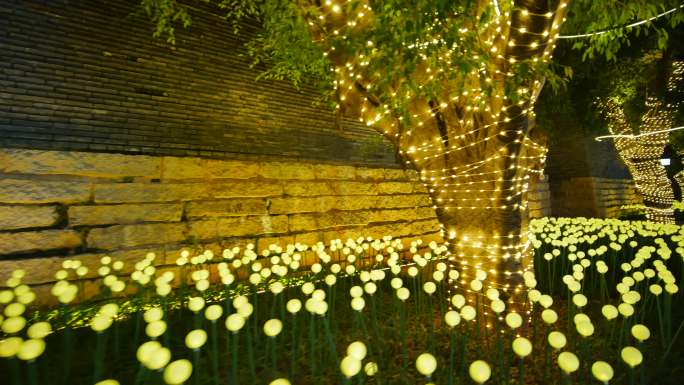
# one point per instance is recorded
(593, 197)
(56, 205)
(539, 199)
(586, 177)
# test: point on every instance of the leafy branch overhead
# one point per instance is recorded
(284, 41)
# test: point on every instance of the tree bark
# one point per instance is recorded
(473, 151)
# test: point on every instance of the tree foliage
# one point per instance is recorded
(284, 42)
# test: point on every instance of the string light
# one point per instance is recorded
(638, 23)
(634, 136)
(641, 153)
(471, 138)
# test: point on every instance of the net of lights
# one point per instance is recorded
(641, 153)
(485, 143)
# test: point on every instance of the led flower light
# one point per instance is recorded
(195, 339)
(513, 320)
(580, 300)
(177, 372)
(452, 318)
(522, 347)
(458, 301)
(280, 381)
(498, 306)
(557, 340)
(273, 327)
(100, 323)
(429, 287)
(426, 364)
(350, 366)
(609, 311)
(549, 316)
(625, 309)
(632, 356)
(153, 314)
(468, 313)
(159, 359)
(155, 329)
(357, 349)
(196, 304)
(109, 381)
(31, 349)
(10, 346)
(640, 332)
(39, 330)
(403, 294)
(213, 312)
(146, 351)
(371, 368)
(602, 371)
(568, 362)
(359, 303)
(480, 371)
(584, 328)
(294, 306)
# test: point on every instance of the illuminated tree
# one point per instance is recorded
(641, 151)
(452, 84)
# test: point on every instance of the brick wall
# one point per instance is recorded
(593, 197)
(88, 76)
(586, 178)
(539, 198)
(55, 205)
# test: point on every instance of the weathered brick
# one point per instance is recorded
(355, 188)
(308, 222)
(124, 214)
(308, 238)
(325, 171)
(21, 217)
(233, 169)
(226, 208)
(113, 237)
(283, 170)
(308, 188)
(238, 226)
(43, 240)
(357, 202)
(370, 173)
(412, 175)
(395, 188)
(424, 226)
(38, 270)
(395, 201)
(405, 214)
(149, 192)
(395, 174)
(37, 162)
(200, 168)
(239, 189)
(302, 204)
(42, 191)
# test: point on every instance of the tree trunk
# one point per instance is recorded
(470, 141)
(641, 155)
(482, 211)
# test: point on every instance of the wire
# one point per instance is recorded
(626, 26)
(598, 138)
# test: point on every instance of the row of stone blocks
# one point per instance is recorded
(55, 204)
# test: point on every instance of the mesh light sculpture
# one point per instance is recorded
(641, 153)
(473, 143)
